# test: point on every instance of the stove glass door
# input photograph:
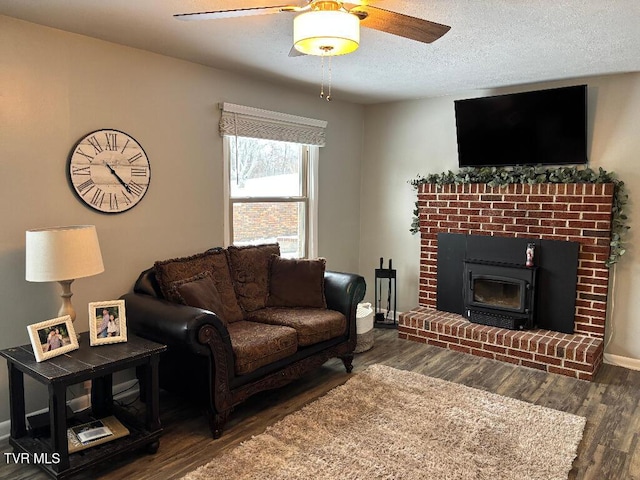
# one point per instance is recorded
(498, 293)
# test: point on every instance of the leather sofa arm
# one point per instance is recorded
(343, 292)
(170, 323)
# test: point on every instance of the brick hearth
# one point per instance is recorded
(572, 355)
(573, 212)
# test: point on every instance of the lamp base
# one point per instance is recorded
(67, 307)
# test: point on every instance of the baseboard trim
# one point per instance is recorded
(127, 390)
(626, 362)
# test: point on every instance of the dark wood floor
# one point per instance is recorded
(610, 447)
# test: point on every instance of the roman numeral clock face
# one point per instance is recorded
(109, 171)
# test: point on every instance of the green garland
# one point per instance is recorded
(498, 176)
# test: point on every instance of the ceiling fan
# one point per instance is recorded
(330, 27)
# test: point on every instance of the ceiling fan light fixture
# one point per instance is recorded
(326, 33)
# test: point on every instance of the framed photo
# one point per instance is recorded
(107, 322)
(52, 337)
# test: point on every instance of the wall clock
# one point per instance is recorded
(109, 171)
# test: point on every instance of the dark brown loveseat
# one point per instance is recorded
(241, 320)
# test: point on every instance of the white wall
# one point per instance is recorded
(405, 139)
(56, 86)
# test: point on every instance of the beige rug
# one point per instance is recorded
(392, 424)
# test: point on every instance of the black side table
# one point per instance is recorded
(87, 363)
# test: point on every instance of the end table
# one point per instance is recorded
(96, 364)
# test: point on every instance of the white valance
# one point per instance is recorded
(241, 121)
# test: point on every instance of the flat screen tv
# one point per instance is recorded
(545, 127)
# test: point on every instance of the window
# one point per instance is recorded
(270, 185)
(271, 164)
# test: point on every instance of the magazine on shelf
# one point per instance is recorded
(95, 433)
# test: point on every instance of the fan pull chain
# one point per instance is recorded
(329, 94)
(322, 81)
(325, 50)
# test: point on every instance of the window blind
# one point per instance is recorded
(242, 121)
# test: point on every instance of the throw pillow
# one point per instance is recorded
(199, 291)
(250, 271)
(296, 283)
(213, 261)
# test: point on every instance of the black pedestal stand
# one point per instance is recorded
(385, 319)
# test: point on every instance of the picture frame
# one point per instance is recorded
(52, 338)
(107, 322)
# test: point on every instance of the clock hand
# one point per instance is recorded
(124, 184)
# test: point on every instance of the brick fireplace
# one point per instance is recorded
(571, 212)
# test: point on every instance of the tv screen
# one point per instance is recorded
(545, 127)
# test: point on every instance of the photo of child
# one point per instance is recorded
(53, 337)
(107, 322)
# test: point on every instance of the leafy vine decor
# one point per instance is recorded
(499, 176)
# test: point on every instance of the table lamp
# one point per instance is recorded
(63, 254)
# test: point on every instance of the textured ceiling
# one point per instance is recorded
(492, 43)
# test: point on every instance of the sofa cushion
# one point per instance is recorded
(296, 283)
(199, 291)
(255, 345)
(313, 325)
(250, 272)
(213, 261)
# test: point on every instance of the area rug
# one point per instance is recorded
(386, 423)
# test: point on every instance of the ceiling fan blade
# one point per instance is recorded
(398, 23)
(239, 12)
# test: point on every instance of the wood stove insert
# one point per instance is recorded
(499, 294)
(555, 266)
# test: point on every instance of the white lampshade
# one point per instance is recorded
(62, 253)
(322, 32)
